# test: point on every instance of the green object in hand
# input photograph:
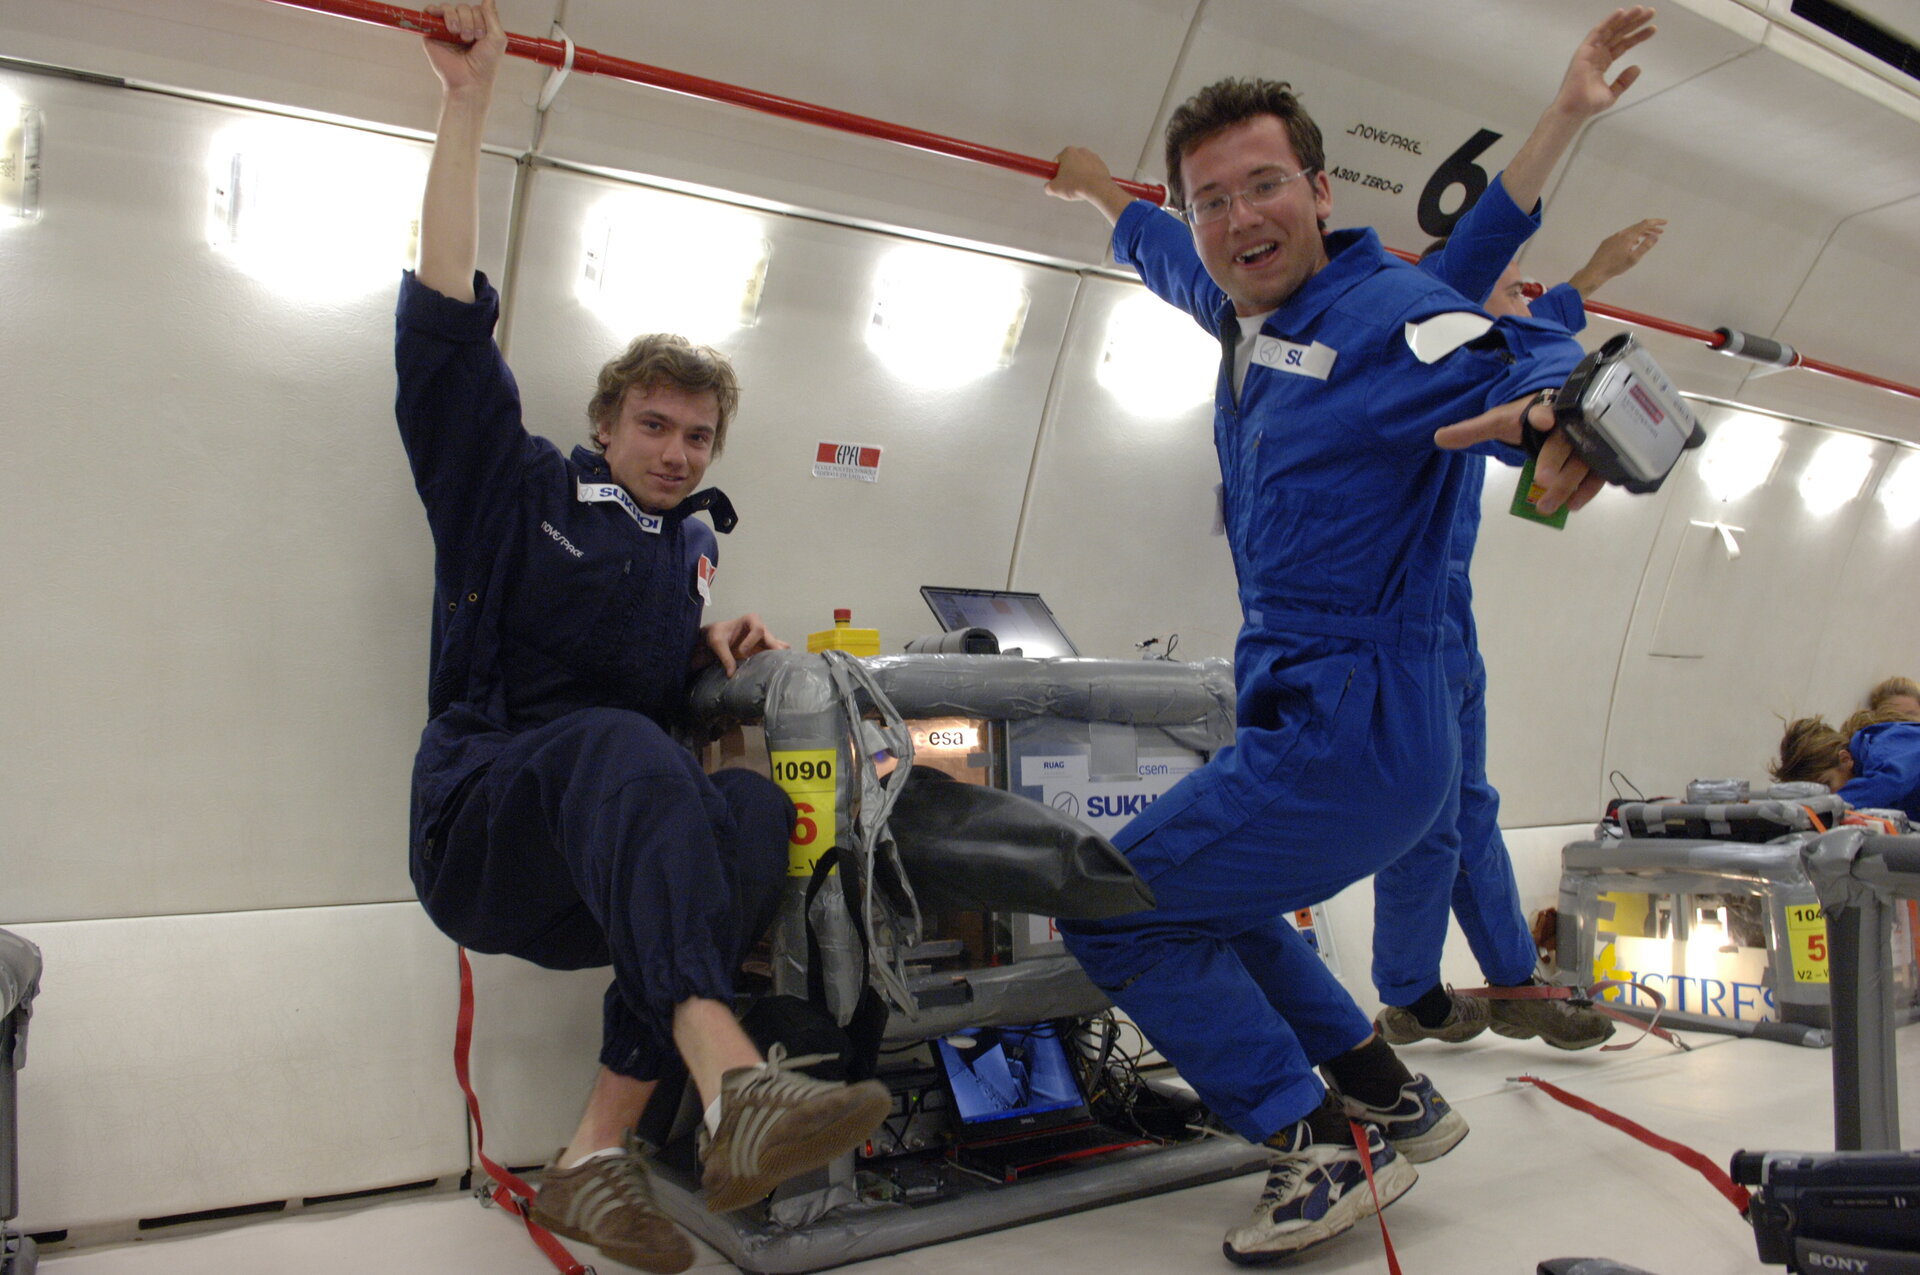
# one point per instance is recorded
(1525, 492)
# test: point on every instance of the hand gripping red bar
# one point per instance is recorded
(553, 53)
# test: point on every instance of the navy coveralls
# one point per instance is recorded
(554, 818)
(1339, 512)
(1886, 767)
(1463, 859)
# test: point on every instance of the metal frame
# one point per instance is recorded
(19, 981)
(821, 1221)
(1858, 875)
(1659, 865)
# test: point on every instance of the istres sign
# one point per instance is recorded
(1719, 983)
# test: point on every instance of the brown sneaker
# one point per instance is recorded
(608, 1203)
(776, 1124)
(1466, 1019)
(1561, 1024)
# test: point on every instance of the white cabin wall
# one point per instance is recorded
(219, 576)
(1722, 647)
(1122, 508)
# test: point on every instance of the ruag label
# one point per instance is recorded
(1105, 805)
(809, 778)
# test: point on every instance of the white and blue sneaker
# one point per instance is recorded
(1422, 1125)
(1314, 1192)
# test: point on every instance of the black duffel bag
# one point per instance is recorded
(968, 847)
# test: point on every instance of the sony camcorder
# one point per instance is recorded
(1820, 1211)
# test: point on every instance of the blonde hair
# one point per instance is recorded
(1893, 686)
(1808, 750)
(1873, 717)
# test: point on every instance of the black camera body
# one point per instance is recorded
(1854, 1212)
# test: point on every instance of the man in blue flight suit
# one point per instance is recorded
(1462, 861)
(1339, 365)
(554, 817)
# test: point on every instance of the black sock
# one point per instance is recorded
(1373, 1073)
(1433, 1007)
(1326, 1123)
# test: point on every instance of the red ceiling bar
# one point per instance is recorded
(1713, 340)
(554, 53)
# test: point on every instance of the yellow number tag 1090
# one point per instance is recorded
(809, 778)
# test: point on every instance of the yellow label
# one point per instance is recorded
(1807, 940)
(810, 778)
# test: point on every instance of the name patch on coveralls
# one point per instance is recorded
(593, 493)
(1314, 360)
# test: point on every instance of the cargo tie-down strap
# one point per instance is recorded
(1736, 1194)
(510, 1192)
(1588, 998)
(1379, 1211)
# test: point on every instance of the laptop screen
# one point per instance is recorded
(1009, 1077)
(1020, 620)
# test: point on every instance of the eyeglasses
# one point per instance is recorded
(1259, 195)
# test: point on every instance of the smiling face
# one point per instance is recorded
(660, 443)
(1258, 255)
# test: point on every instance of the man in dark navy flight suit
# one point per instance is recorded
(554, 817)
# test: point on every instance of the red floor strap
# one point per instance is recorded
(1735, 1193)
(509, 1192)
(1379, 1209)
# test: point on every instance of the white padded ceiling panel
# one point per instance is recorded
(268, 53)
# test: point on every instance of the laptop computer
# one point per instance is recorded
(1021, 621)
(1017, 1103)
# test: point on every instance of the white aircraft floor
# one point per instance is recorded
(1535, 1180)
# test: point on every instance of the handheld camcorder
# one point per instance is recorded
(1819, 1211)
(1623, 417)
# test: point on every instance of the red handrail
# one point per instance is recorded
(1713, 340)
(554, 53)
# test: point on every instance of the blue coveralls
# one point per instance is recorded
(554, 818)
(1463, 860)
(1886, 767)
(1339, 511)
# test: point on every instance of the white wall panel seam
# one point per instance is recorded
(1626, 644)
(1049, 411)
(1832, 616)
(1579, 143)
(1174, 76)
(516, 226)
(1813, 268)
